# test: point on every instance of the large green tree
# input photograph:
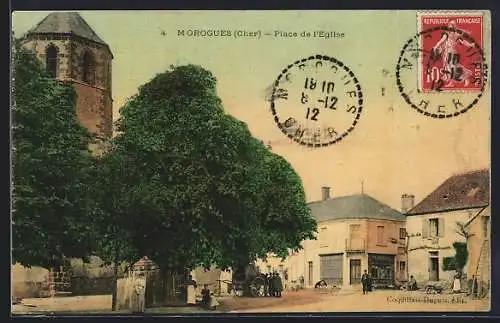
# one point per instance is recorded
(50, 160)
(200, 190)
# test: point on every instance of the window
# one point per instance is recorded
(310, 273)
(402, 233)
(323, 242)
(380, 235)
(402, 266)
(433, 228)
(448, 263)
(88, 68)
(51, 61)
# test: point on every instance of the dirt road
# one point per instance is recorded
(378, 301)
(301, 301)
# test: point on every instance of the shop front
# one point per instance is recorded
(381, 268)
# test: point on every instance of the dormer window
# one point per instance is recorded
(88, 68)
(51, 61)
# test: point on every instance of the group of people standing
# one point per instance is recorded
(273, 285)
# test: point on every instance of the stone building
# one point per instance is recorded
(433, 224)
(355, 233)
(72, 52)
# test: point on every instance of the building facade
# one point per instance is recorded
(355, 233)
(433, 225)
(72, 52)
(479, 250)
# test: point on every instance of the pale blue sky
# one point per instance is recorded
(394, 149)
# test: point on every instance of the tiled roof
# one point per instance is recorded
(462, 191)
(358, 206)
(66, 23)
(144, 264)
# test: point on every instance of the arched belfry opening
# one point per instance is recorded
(51, 60)
(88, 68)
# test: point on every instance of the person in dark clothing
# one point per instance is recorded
(266, 284)
(365, 278)
(321, 284)
(205, 296)
(272, 284)
(412, 284)
(278, 285)
(370, 283)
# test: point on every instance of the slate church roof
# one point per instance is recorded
(461, 191)
(66, 23)
(359, 206)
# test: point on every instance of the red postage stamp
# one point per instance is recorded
(451, 47)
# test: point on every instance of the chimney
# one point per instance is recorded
(325, 193)
(407, 202)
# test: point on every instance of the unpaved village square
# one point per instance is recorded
(301, 301)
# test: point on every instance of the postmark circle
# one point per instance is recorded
(316, 101)
(441, 72)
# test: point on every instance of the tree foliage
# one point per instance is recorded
(183, 183)
(461, 255)
(50, 158)
(199, 189)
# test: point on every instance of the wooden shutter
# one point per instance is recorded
(441, 227)
(425, 228)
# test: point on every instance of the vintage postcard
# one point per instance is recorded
(251, 161)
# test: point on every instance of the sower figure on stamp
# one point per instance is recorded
(365, 281)
(446, 47)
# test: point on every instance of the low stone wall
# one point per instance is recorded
(30, 289)
(91, 285)
(29, 282)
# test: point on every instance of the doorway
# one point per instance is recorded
(310, 273)
(355, 271)
(434, 268)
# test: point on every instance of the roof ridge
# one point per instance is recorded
(355, 206)
(337, 197)
(449, 195)
(66, 22)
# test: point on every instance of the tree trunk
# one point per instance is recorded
(115, 282)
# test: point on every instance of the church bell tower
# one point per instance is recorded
(72, 52)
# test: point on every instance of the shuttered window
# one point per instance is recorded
(323, 238)
(432, 228)
(380, 235)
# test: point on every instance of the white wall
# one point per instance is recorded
(419, 247)
(331, 238)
